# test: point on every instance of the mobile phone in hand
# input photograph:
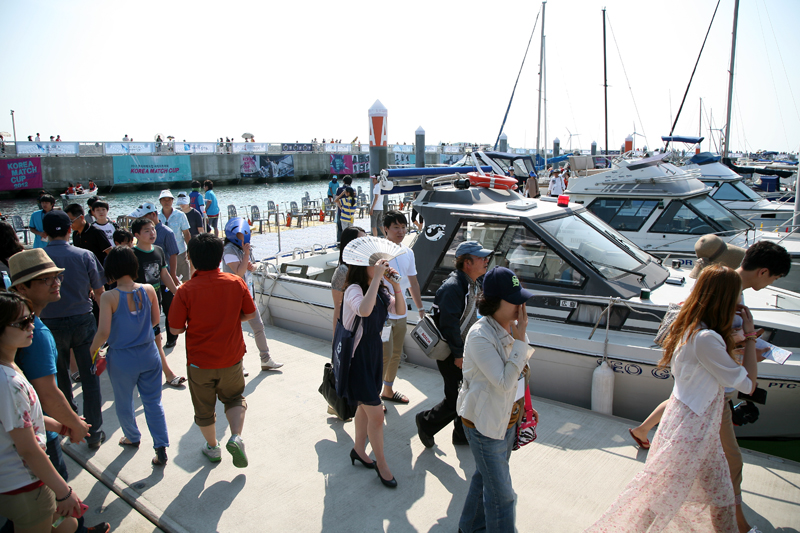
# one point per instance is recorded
(84, 508)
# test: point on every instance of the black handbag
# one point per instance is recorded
(343, 345)
(328, 390)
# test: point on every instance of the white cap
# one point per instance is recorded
(183, 198)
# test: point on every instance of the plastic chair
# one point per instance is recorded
(232, 212)
(255, 216)
(274, 211)
(19, 226)
(295, 212)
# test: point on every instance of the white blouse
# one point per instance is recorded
(702, 367)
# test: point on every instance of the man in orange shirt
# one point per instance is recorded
(214, 343)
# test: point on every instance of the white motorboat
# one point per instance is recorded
(729, 189)
(75, 196)
(580, 270)
(664, 209)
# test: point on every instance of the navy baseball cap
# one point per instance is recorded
(502, 283)
(472, 248)
(56, 223)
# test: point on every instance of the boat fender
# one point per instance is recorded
(603, 389)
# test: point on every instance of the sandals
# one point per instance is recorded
(124, 441)
(396, 397)
(643, 444)
(161, 456)
(177, 381)
(76, 377)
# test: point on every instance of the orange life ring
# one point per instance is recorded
(492, 181)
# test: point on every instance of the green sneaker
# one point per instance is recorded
(235, 447)
(214, 454)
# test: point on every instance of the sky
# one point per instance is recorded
(292, 71)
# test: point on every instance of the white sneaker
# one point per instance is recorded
(270, 364)
(214, 454)
(235, 447)
(245, 372)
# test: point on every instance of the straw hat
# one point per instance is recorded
(711, 249)
(29, 264)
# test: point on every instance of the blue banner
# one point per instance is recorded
(151, 168)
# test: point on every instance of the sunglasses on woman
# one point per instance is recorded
(24, 322)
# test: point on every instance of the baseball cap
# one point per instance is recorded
(142, 210)
(56, 223)
(472, 248)
(501, 282)
(183, 198)
(166, 193)
(335, 177)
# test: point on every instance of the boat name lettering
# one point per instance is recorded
(660, 373)
(568, 303)
(634, 370)
(782, 385)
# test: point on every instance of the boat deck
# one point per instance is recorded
(299, 480)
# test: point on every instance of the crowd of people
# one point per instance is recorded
(96, 304)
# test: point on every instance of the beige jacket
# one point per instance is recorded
(493, 362)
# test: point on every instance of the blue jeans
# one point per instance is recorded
(77, 333)
(490, 500)
(57, 458)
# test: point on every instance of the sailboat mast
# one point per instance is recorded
(730, 81)
(605, 77)
(544, 75)
(541, 67)
(700, 122)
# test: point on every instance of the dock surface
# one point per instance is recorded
(300, 478)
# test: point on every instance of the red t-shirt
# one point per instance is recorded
(209, 305)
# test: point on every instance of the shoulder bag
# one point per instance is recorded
(431, 341)
(526, 429)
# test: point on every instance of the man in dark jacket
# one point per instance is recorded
(454, 312)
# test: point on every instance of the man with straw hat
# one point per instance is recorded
(35, 276)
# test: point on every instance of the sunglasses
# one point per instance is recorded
(24, 322)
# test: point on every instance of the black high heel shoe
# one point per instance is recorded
(354, 457)
(391, 483)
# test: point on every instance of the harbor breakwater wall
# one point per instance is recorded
(56, 173)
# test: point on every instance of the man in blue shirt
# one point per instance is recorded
(47, 202)
(38, 279)
(212, 207)
(70, 319)
(333, 186)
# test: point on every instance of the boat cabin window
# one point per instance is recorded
(623, 214)
(697, 216)
(727, 192)
(599, 250)
(517, 248)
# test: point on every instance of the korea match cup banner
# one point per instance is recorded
(151, 168)
(16, 174)
(267, 166)
(127, 148)
(195, 148)
(350, 164)
(48, 148)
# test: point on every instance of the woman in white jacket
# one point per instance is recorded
(496, 353)
(685, 484)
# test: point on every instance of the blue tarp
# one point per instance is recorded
(704, 158)
(431, 171)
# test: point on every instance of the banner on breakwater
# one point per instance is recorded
(48, 148)
(405, 159)
(126, 148)
(267, 166)
(239, 148)
(18, 174)
(449, 159)
(350, 164)
(151, 168)
(297, 147)
(195, 148)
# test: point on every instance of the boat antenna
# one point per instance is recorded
(605, 79)
(517, 81)
(672, 129)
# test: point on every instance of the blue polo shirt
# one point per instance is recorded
(213, 208)
(82, 273)
(165, 238)
(36, 223)
(39, 359)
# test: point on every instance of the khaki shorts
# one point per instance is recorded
(208, 384)
(29, 508)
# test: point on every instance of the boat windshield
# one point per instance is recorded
(697, 216)
(601, 249)
(734, 191)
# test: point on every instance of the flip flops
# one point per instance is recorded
(643, 444)
(177, 381)
(396, 398)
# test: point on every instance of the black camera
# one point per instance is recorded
(744, 413)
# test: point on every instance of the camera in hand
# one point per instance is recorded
(744, 413)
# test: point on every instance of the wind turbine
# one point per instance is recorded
(634, 134)
(571, 135)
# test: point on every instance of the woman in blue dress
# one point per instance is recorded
(367, 296)
(127, 317)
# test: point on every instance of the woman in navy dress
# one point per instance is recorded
(368, 296)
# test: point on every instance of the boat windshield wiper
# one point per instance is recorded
(637, 274)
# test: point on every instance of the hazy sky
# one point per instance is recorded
(287, 70)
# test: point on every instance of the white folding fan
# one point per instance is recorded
(366, 251)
